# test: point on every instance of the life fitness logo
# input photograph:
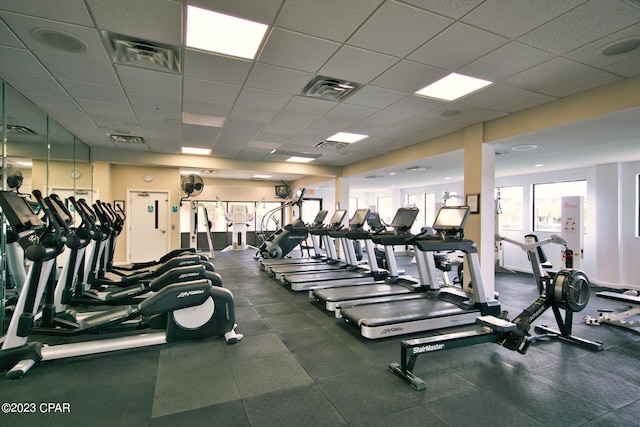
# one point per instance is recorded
(569, 205)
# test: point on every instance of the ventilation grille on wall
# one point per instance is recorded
(331, 145)
(126, 139)
(142, 53)
(322, 87)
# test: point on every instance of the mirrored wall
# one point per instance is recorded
(37, 153)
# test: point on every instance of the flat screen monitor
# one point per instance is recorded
(358, 219)
(373, 220)
(320, 216)
(451, 218)
(283, 191)
(338, 217)
(404, 218)
(18, 212)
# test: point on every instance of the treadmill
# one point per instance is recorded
(351, 274)
(318, 222)
(436, 308)
(394, 284)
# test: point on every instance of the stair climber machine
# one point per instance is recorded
(318, 222)
(352, 273)
(394, 284)
(184, 310)
(330, 261)
(567, 290)
(284, 240)
(436, 307)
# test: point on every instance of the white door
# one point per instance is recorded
(147, 225)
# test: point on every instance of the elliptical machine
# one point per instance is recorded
(284, 240)
(190, 309)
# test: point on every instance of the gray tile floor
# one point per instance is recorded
(298, 365)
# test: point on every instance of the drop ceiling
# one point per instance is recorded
(535, 52)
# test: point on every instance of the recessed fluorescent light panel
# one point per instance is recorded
(185, 172)
(452, 87)
(261, 176)
(347, 137)
(219, 33)
(193, 150)
(202, 120)
(295, 159)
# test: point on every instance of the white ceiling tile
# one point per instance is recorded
(453, 9)
(198, 136)
(94, 92)
(304, 105)
(149, 80)
(295, 50)
(398, 29)
(210, 91)
(161, 145)
(152, 20)
(387, 118)
(19, 61)
(208, 108)
(272, 137)
(153, 113)
(32, 83)
(289, 123)
(582, 25)
(466, 114)
(330, 19)
(332, 124)
(375, 97)
(523, 102)
(629, 68)
(7, 38)
(264, 99)
(591, 53)
(71, 11)
(357, 65)
(505, 62)
(409, 77)
(159, 101)
(248, 112)
(491, 95)
(456, 46)
(161, 130)
(550, 72)
(579, 84)
(70, 68)
(513, 18)
(263, 11)
(216, 68)
(414, 105)
(350, 112)
(277, 79)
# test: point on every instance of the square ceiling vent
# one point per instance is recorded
(140, 53)
(126, 139)
(331, 145)
(329, 88)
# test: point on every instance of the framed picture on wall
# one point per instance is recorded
(473, 201)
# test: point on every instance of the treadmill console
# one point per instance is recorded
(358, 219)
(374, 222)
(337, 218)
(451, 220)
(404, 219)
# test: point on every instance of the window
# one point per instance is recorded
(385, 209)
(509, 207)
(353, 206)
(429, 209)
(547, 203)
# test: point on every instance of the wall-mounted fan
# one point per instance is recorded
(13, 178)
(191, 186)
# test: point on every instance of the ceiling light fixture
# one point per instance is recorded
(261, 176)
(219, 33)
(59, 40)
(524, 147)
(452, 87)
(347, 137)
(620, 47)
(199, 151)
(202, 120)
(296, 159)
(188, 172)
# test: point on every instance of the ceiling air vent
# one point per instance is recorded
(322, 87)
(142, 53)
(126, 139)
(331, 145)
(21, 130)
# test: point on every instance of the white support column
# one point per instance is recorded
(479, 178)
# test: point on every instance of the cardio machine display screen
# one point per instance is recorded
(338, 216)
(18, 212)
(359, 217)
(320, 217)
(451, 218)
(404, 218)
